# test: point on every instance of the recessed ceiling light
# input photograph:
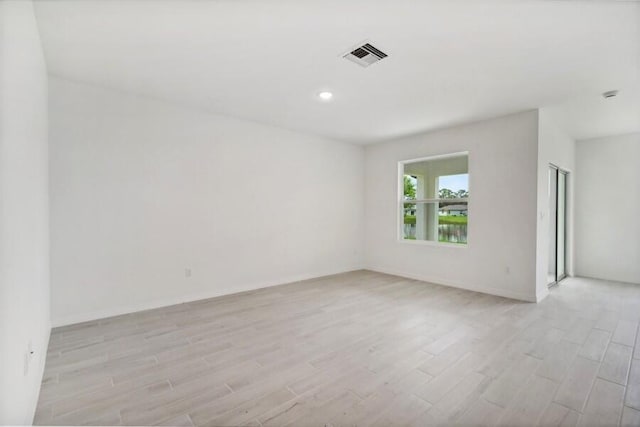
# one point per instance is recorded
(610, 94)
(325, 96)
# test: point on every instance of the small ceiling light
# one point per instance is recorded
(325, 96)
(609, 94)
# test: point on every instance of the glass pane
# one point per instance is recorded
(438, 222)
(409, 223)
(561, 224)
(553, 210)
(453, 186)
(428, 177)
(420, 221)
(452, 222)
(410, 187)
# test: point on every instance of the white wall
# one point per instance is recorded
(500, 256)
(607, 228)
(24, 227)
(142, 190)
(554, 147)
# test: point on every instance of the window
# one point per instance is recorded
(434, 199)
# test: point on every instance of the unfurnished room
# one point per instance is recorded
(320, 213)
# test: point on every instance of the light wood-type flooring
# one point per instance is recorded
(361, 349)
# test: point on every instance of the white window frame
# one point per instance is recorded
(401, 202)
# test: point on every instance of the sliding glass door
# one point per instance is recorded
(557, 224)
(553, 213)
(561, 217)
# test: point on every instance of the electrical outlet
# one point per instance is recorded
(28, 355)
(187, 272)
(27, 359)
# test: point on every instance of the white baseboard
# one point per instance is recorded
(542, 294)
(606, 279)
(482, 289)
(165, 302)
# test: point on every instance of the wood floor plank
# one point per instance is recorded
(367, 411)
(625, 333)
(404, 410)
(630, 417)
(559, 416)
(616, 363)
(481, 413)
(249, 410)
(460, 398)
(528, 406)
(608, 321)
(575, 388)
(633, 386)
(555, 365)
(328, 410)
(595, 345)
(438, 387)
(505, 387)
(580, 330)
(604, 406)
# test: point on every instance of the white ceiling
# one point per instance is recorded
(591, 116)
(449, 61)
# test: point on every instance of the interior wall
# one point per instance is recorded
(608, 208)
(554, 147)
(154, 204)
(500, 256)
(24, 222)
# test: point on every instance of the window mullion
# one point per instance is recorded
(413, 201)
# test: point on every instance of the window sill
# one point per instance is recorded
(434, 244)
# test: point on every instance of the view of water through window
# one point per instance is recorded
(435, 204)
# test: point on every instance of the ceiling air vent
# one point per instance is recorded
(365, 55)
